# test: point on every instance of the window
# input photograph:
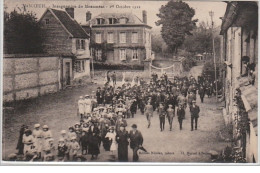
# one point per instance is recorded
(80, 44)
(99, 54)
(110, 37)
(100, 21)
(122, 37)
(134, 37)
(111, 21)
(80, 66)
(123, 20)
(134, 54)
(122, 54)
(98, 37)
(47, 21)
(77, 44)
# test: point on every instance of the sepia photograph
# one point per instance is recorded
(119, 82)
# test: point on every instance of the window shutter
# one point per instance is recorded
(77, 44)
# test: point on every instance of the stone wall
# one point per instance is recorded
(29, 76)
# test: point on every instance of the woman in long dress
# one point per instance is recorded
(111, 135)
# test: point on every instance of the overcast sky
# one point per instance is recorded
(152, 7)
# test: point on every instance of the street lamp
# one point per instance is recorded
(211, 14)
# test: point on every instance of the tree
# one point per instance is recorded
(22, 33)
(176, 20)
(201, 40)
(157, 43)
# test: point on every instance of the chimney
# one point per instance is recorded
(144, 16)
(88, 16)
(70, 11)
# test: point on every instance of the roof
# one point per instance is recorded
(70, 24)
(239, 13)
(132, 19)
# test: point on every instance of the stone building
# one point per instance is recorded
(64, 37)
(239, 52)
(119, 37)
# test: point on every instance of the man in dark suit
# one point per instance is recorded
(136, 141)
(194, 112)
(180, 114)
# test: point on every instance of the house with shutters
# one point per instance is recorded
(119, 37)
(65, 37)
(239, 53)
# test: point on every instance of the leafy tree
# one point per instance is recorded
(176, 20)
(201, 40)
(22, 33)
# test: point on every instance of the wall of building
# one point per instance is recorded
(86, 72)
(28, 77)
(56, 38)
(143, 45)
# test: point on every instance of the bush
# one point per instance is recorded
(107, 66)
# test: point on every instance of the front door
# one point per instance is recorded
(67, 73)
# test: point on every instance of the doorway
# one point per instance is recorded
(67, 73)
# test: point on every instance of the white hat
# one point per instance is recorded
(37, 125)
(86, 95)
(45, 127)
(63, 132)
(81, 97)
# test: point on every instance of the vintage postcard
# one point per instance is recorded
(122, 82)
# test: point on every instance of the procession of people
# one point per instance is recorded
(103, 115)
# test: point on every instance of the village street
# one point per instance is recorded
(59, 111)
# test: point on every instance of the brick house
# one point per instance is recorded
(239, 32)
(119, 37)
(65, 37)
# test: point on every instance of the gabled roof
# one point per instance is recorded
(69, 24)
(132, 19)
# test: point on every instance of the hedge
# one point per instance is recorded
(107, 66)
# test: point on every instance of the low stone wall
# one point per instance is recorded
(28, 76)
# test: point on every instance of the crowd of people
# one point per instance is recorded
(103, 119)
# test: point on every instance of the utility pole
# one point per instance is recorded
(211, 13)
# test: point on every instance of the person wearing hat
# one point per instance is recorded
(87, 105)
(201, 93)
(133, 107)
(170, 115)
(38, 137)
(136, 141)
(194, 112)
(74, 148)
(20, 144)
(84, 141)
(161, 113)
(71, 134)
(122, 141)
(94, 141)
(28, 140)
(81, 105)
(99, 96)
(180, 114)
(62, 150)
(111, 136)
(149, 113)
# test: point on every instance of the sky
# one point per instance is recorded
(201, 8)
